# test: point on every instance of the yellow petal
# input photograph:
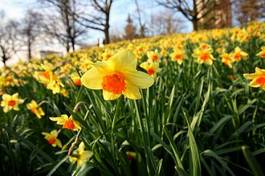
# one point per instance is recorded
(132, 92)
(139, 79)
(110, 96)
(92, 79)
(122, 60)
(250, 75)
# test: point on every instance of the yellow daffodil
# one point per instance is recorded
(44, 77)
(76, 80)
(261, 54)
(178, 56)
(35, 108)
(10, 102)
(227, 59)
(238, 54)
(257, 78)
(151, 67)
(203, 56)
(117, 76)
(52, 138)
(67, 122)
(153, 56)
(80, 156)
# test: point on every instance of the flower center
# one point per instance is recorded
(237, 56)
(52, 140)
(78, 82)
(178, 57)
(263, 55)
(154, 57)
(69, 124)
(204, 56)
(114, 83)
(46, 74)
(261, 80)
(11, 103)
(150, 71)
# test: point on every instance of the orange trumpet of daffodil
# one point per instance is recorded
(117, 76)
(257, 78)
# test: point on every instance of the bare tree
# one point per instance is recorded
(164, 22)
(142, 25)
(8, 39)
(62, 23)
(193, 11)
(98, 18)
(31, 30)
(248, 10)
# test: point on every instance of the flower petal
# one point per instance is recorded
(123, 59)
(92, 79)
(110, 96)
(132, 92)
(139, 79)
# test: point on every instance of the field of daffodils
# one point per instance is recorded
(185, 104)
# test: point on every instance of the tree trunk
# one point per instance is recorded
(29, 50)
(73, 43)
(107, 38)
(195, 24)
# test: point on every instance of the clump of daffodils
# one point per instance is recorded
(51, 81)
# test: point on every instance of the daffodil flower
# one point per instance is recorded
(67, 122)
(80, 156)
(257, 78)
(52, 138)
(11, 102)
(35, 108)
(238, 54)
(117, 76)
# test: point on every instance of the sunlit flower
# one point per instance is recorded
(35, 108)
(153, 56)
(238, 54)
(10, 102)
(80, 155)
(257, 78)
(261, 54)
(76, 80)
(227, 59)
(151, 67)
(52, 138)
(44, 77)
(67, 122)
(203, 56)
(178, 56)
(117, 76)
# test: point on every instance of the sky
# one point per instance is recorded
(15, 9)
